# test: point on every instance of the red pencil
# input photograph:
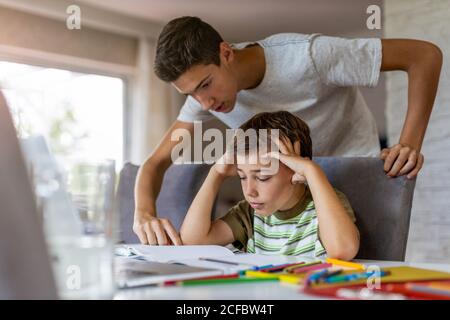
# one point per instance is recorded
(311, 268)
(280, 267)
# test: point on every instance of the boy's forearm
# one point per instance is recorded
(197, 223)
(338, 233)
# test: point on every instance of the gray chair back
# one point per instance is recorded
(180, 185)
(382, 205)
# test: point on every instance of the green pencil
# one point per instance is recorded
(223, 281)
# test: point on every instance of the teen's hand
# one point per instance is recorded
(155, 231)
(289, 154)
(401, 159)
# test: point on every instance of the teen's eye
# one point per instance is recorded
(263, 178)
(242, 178)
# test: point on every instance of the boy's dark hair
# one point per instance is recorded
(185, 42)
(289, 126)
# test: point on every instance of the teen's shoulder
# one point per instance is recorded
(284, 38)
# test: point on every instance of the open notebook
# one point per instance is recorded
(204, 256)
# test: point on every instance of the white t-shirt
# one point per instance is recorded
(316, 78)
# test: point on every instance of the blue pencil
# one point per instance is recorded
(316, 276)
(256, 268)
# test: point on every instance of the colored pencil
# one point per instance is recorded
(312, 268)
(429, 290)
(403, 289)
(290, 269)
(261, 274)
(290, 278)
(440, 285)
(224, 276)
(223, 281)
(256, 268)
(315, 276)
(347, 264)
(281, 267)
(355, 276)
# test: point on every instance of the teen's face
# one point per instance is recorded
(266, 191)
(214, 87)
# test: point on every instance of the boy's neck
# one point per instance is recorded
(249, 66)
(297, 195)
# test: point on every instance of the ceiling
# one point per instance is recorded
(246, 20)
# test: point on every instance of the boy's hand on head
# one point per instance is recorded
(289, 154)
(401, 159)
(225, 166)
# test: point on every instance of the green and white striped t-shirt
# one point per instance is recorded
(291, 232)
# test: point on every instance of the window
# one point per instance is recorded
(79, 114)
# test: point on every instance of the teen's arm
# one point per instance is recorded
(150, 229)
(422, 61)
(197, 227)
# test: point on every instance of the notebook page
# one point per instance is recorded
(178, 253)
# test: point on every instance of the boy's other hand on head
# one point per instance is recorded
(225, 166)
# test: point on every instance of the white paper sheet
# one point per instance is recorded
(176, 253)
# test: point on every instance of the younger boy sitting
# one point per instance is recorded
(293, 211)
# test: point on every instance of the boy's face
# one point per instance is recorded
(214, 87)
(267, 191)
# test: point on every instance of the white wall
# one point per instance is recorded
(430, 225)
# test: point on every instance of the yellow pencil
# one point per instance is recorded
(290, 278)
(341, 263)
(259, 274)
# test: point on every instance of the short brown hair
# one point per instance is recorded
(183, 43)
(289, 126)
